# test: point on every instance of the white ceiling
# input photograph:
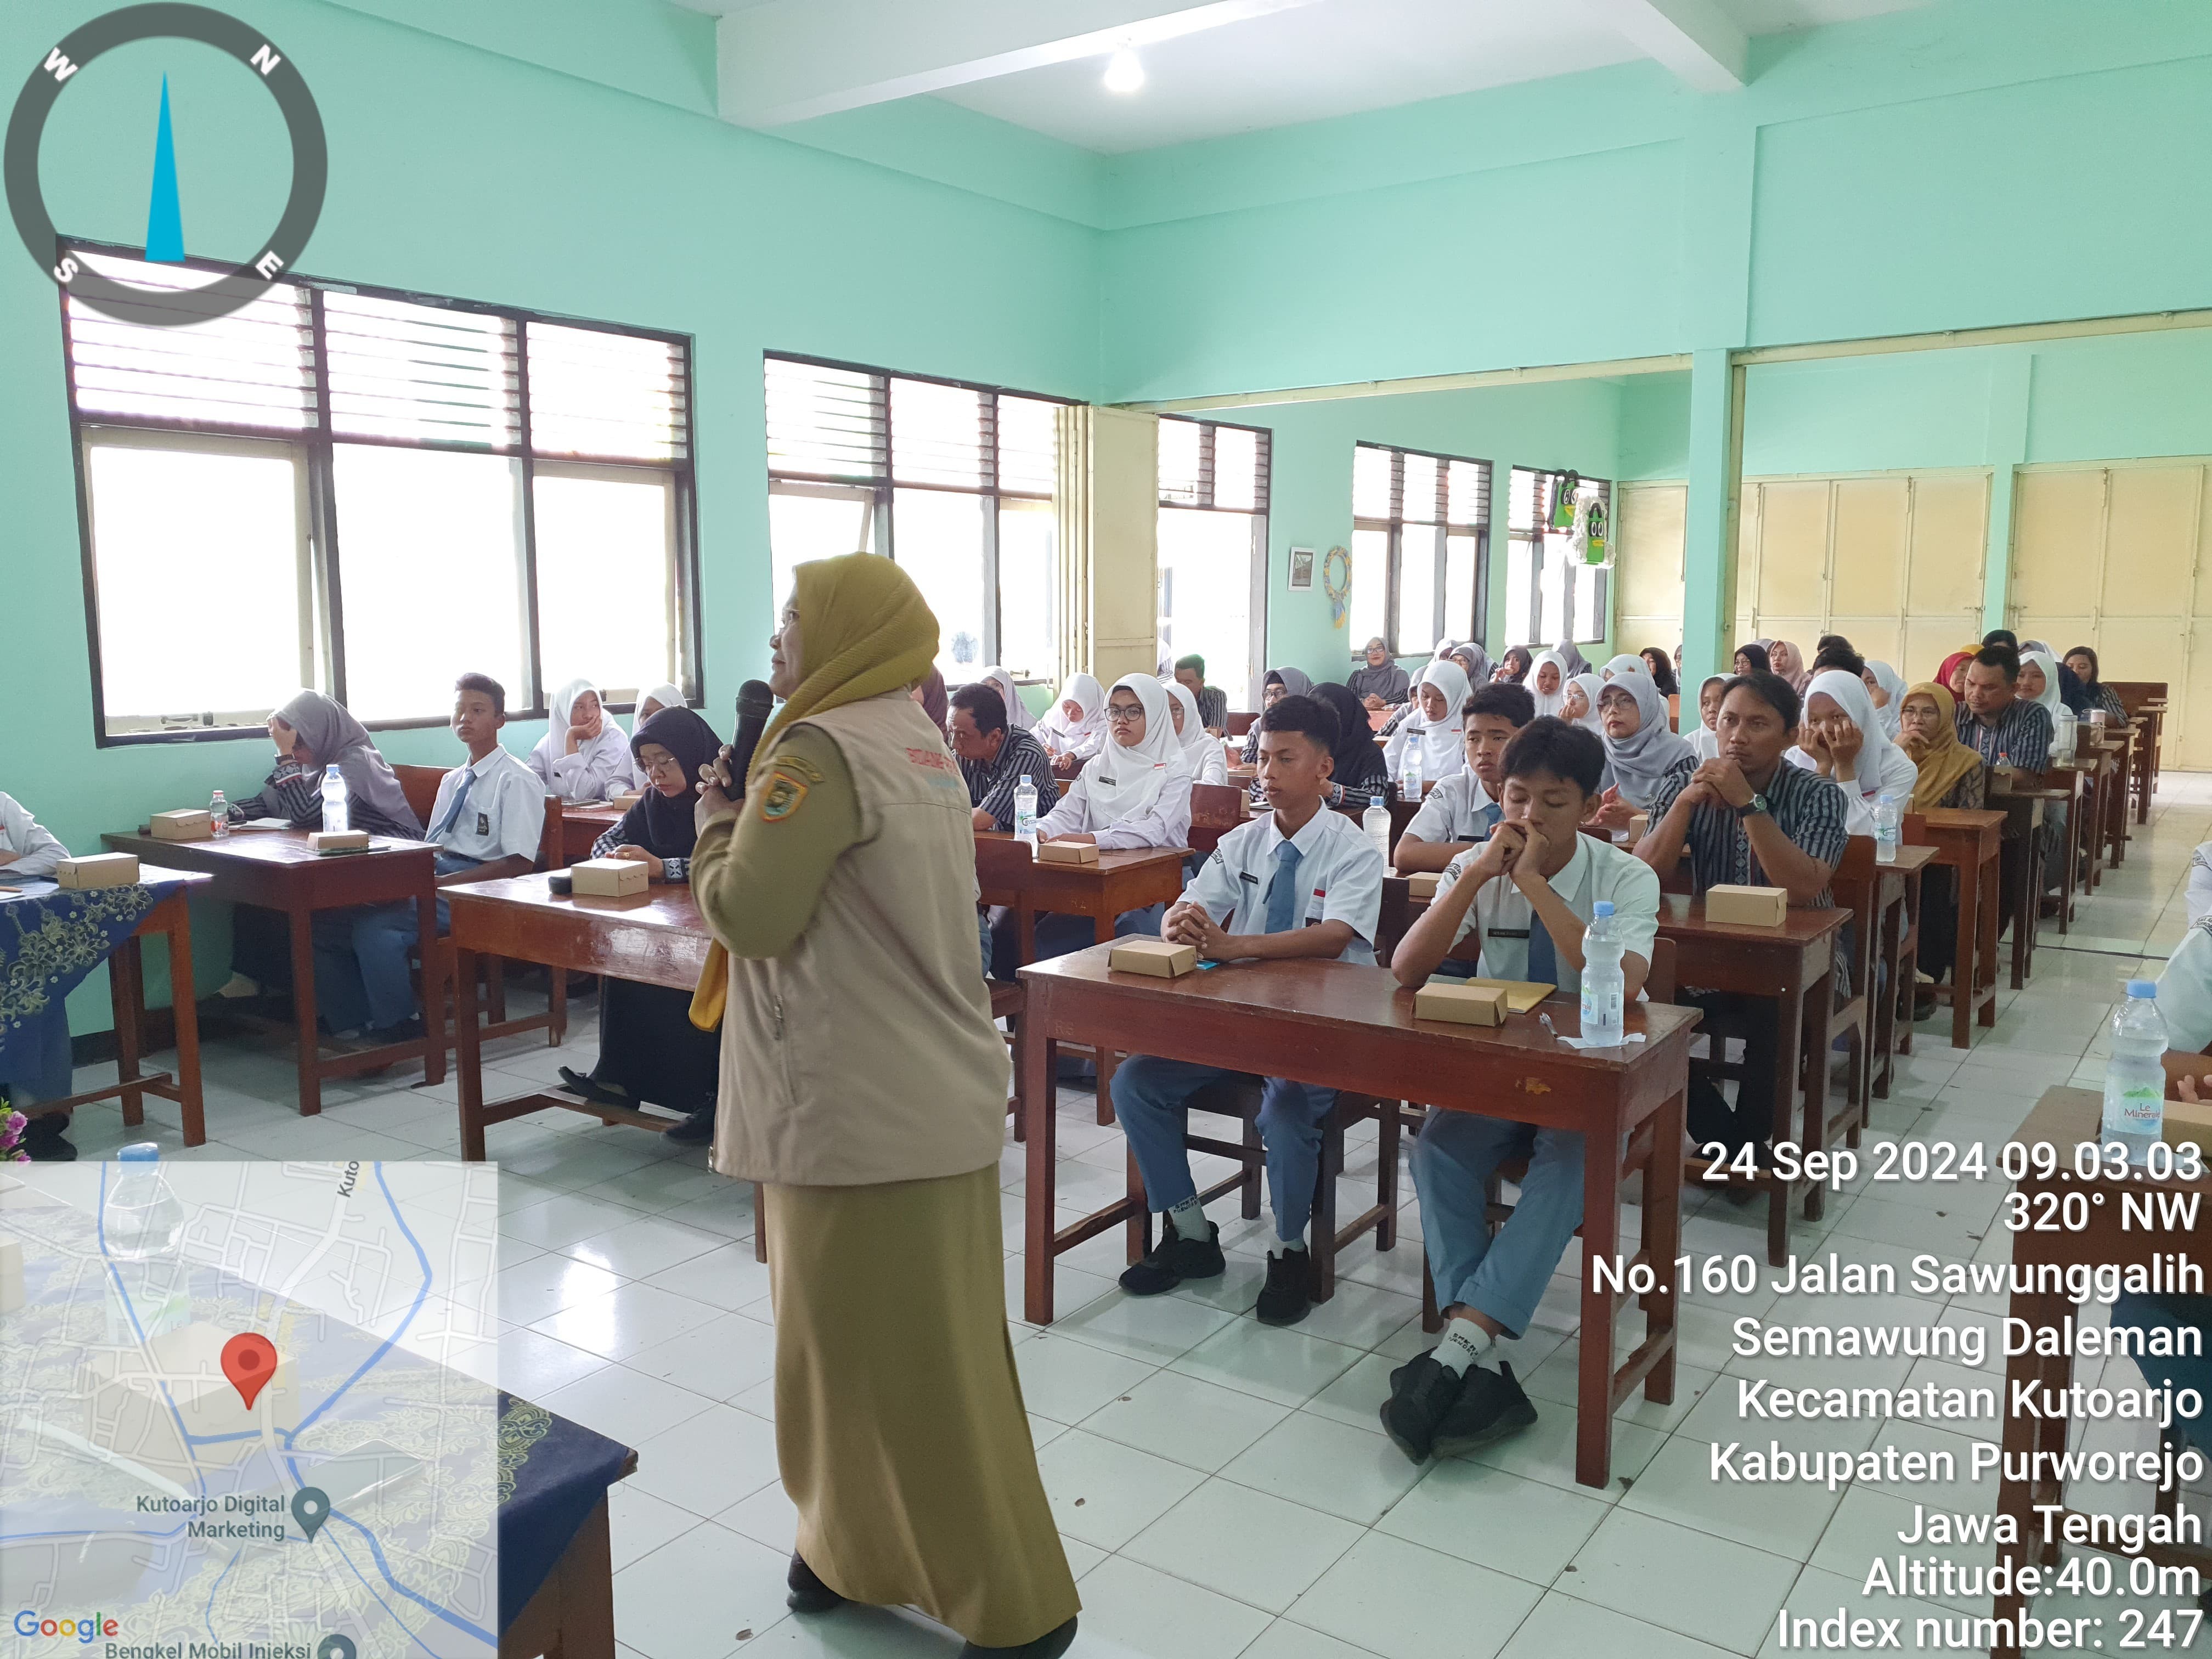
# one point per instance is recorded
(1315, 59)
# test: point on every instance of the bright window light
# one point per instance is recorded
(1124, 73)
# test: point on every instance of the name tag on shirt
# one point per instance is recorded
(483, 825)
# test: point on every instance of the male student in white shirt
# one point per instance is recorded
(1302, 882)
(488, 821)
(1516, 906)
(1463, 809)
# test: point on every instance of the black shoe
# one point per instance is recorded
(808, 1593)
(47, 1145)
(1050, 1645)
(697, 1129)
(1490, 1405)
(1924, 1007)
(1286, 1297)
(593, 1090)
(1423, 1391)
(1173, 1260)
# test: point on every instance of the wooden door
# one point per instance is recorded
(1647, 538)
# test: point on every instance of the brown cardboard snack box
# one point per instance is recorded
(608, 877)
(2189, 1123)
(1156, 956)
(1422, 883)
(1067, 851)
(192, 824)
(1638, 827)
(1747, 906)
(1521, 994)
(1461, 1002)
(98, 869)
(327, 842)
(627, 798)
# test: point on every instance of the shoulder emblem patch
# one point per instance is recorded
(782, 795)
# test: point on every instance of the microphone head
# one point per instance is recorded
(754, 701)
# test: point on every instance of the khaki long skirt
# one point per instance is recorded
(899, 1423)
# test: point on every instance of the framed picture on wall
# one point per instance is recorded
(1302, 566)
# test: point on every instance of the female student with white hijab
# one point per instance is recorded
(1578, 703)
(1019, 717)
(1842, 738)
(1075, 724)
(1885, 690)
(1437, 726)
(1706, 739)
(1547, 682)
(1639, 746)
(1201, 749)
(583, 755)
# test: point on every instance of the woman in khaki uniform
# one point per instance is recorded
(865, 1086)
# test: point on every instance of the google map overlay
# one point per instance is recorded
(234, 1419)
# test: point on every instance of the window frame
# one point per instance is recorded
(1262, 516)
(879, 491)
(1535, 539)
(316, 443)
(1393, 530)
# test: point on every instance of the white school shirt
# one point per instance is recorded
(2184, 991)
(1899, 776)
(1598, 870)
(1340, 878)
(504, 814)
(37, 852)
(1165, 823)
(2197, 897)
(1448, 812)
(598, 769)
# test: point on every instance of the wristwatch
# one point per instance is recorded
(1755, 805)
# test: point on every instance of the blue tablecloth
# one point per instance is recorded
(552, 1474)
(49, 939)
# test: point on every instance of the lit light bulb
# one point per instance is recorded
(1124, 73)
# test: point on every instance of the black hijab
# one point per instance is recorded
(1757, 653)
(1516, 661)
(665, 828)
(1357, 754)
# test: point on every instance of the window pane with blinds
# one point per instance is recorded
(420, 372)
(1181, 481)
(1237, 484)
(251, 369)
(825, 422)
(1418, 496)
(427, 521)
(591, 523)
(940, 435)
(1416, 590)
(1374, 489)
(1371, 574)
(597, 394)
(1460, 620)
(162, 516)
(1029, 447)
(823, 522)
(1467, 493)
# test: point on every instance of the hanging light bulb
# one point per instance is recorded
(1124, 72)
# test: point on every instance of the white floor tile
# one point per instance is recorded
(1067, 1381)
(641, 1248)
(1326, 1465)
(1784, 1518)
(1405, 1602)
(692, 1595)
(1274, 1363)
(639, 1523)
(623, 1404)
(1106, 1493)
(1186, 1419)
(1563, 1628)
(1496, 1520)
(1129, 1608)
(710, 1462)
(1285, 1640)
(1244, 1544)
(543, 1285)
(625, 1321)
(726, 1355)
(1681, 1580)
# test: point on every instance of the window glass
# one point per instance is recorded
(1027, 601)
(606, 584)
(1206, 571)
(804, 525)
(1371, 573)
(1416, 590)
(937, 540)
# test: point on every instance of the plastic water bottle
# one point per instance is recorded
(1409, 780)
(142, 1226)
(1376, 821)
(1604, 986)
(2135, 1081)
(1888, 826)
(338, 805)
(2065, 732)
(1025, 809)
(219, 815)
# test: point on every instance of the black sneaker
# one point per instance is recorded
(1286, 1298)
(1423, 1391)
(808, 1593)
(1050, 1645)
(1173, 1260)
(697, 1129)
(1490, 1405)
(43, 1145)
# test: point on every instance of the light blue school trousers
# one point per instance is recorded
(1503, 1277)
(1148, 1098)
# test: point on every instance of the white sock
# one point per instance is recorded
(1189, 1218)
(1463, 1343)
(1284, 1246)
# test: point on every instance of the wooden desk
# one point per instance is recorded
(2063, 1118)
(655, 938)
(1793, 965)
(1124, 880)
(1345, 1025)
(1971, 843)
(277, 870)
(582, 826)
(171, 919)
(1896, 923)
(572, 1616)
(2085, 858)
(2024, 806)
(2118, 748)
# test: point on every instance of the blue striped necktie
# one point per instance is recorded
(1283, 890)
(453, 813)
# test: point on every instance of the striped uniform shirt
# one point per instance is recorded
(2021, 735)
(991, 784)
(1806, 807)
(1213, 709)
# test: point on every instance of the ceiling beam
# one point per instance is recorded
(791, 60)
(1704, 46)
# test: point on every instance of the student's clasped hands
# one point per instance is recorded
(1187, 923)
(1719, 782)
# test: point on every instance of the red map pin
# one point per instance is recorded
(249, 1360)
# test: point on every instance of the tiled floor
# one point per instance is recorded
(1223, 1488)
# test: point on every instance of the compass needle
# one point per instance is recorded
(165, 220)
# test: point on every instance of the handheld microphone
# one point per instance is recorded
(755, 703)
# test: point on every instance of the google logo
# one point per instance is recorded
(84, 1629)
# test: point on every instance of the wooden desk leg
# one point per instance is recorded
(184, 1005)
(433, 1004)
(468, 1057)
(1602, 1157)
(1039, 1106)
(1986, 1009)
(1662, 1234)
(127, 996)
(303, 1011)
(1904, 987)
(1025, 934)
(1821, 1023)
(1789, 1015)
(2024, 901)
(1965, 954)
(1882, 1005)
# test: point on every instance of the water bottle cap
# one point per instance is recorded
(140, 1152)
(1602, 908)
(2143, 988)
(1025, 777)
(1886, 799)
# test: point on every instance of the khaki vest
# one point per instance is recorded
(866, 1054)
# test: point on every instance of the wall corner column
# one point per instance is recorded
(2012, 382)
(1709, 527)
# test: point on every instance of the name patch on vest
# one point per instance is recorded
(943, 773)
(784, 792)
